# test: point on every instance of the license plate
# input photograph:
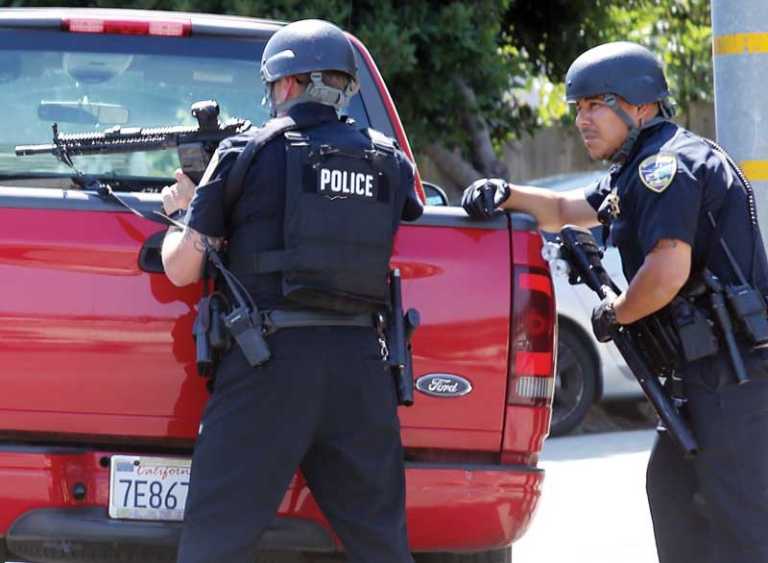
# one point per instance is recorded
(148, 488)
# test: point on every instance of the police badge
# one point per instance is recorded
(658, 171)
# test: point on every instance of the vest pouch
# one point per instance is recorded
(339, 226)
(696, 334)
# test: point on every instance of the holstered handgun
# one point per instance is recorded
(244, 322)
(210, 337)
(723, 320)
(200, 330)
(400, 329)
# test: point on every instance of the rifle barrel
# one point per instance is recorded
(27, 150)
(132, 139)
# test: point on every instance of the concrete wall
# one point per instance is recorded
(558, 150)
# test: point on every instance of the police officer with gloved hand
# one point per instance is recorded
(677, 207)
(309, 240)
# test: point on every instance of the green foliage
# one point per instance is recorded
(677, 31)
(422, 49)
(425, 48)
(497, 47)
(552, 32)
(680, 33)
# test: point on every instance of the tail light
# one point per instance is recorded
(531, 381)
(167, 28)
(532, 338)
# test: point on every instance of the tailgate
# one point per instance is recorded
(95, 345)
(457, 273)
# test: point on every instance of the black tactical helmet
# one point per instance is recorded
(306, 46)
(626, 69)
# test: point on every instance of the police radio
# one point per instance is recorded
(746, 305)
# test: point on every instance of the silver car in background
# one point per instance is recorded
(587, 371)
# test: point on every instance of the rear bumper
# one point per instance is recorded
(84, 535)
(449, 508)
(470, 507)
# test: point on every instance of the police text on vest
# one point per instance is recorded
(345, 182)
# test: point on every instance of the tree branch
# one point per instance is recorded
(452, 164)
(482, 147)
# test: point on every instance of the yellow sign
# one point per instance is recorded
(741, 44)
(755, 170)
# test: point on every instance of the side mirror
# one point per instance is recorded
(435, 194)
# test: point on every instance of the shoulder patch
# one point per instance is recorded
(658, 171)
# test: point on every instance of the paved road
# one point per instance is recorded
(593, 508)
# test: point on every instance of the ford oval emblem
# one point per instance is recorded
(443, 385)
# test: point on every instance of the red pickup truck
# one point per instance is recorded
(100, 401)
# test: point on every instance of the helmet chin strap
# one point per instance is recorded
(621, 155)
(316, 91)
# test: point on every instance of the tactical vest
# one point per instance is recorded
(340, 220)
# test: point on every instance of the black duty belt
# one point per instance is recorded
(278, 319)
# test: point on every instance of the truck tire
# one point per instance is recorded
(493, 556)
(575, 381)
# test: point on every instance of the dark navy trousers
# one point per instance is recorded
(714, 508)
(324, 403)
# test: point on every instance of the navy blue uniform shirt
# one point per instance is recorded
(669, 183)
(256, 222)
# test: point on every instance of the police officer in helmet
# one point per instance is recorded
(309, 238)
(669, 198)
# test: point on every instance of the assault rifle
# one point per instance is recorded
(195, 145)
(647, 346)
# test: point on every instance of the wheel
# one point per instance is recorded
(493, 556)
(575, 382)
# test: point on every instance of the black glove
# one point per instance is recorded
(483, 196)
(604, 320)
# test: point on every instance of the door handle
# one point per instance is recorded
(150, 259)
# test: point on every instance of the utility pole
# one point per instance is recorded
(740, 51)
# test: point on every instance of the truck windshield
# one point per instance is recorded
(91, 82)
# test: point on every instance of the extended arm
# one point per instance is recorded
(551, 209)
(663, 273)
